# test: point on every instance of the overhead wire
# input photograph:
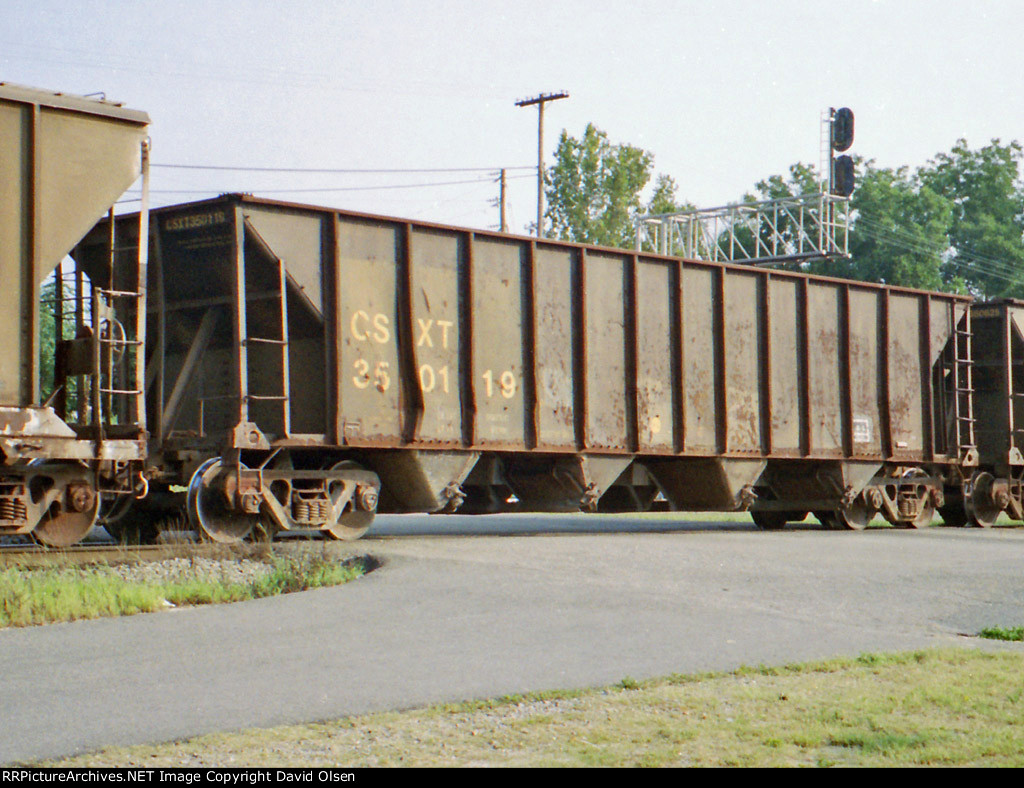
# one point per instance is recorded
(963, 250)
(963, 261)
(382, 187)
(334, 171)
(963, 258)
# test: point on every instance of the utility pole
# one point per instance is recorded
(540, 101)
(504, 187)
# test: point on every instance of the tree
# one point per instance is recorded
(899, 232)
(987, 223)
(593, 189)
(803, 179)
(663, 199)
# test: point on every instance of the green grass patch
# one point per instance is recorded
(927, 708)
(999, 633)
(48, 595)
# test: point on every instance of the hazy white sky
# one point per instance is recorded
(722, 93)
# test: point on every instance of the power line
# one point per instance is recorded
(324, 190)
(328, 171)
(332, 188)
(964, 256)
(989, 267)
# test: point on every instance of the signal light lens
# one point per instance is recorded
(842, 184)
(842, 129)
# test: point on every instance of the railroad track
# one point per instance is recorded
(24, 555)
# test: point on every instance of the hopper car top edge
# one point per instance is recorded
(247, 198)
(24, 94)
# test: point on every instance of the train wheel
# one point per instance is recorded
(924, 519)
(208, 512)
(770, 521)
(982, 511)
(353, 523)
(71, 516)
(854, 517)
(351, 526)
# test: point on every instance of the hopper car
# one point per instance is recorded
(66, 160)
(274, 367)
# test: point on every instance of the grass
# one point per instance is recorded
(999, 633)
(42, 596)
(959, 707)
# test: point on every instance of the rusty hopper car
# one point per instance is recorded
(998, 395)
(308, 367)
(65, 161)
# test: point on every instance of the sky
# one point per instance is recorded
(723, 94)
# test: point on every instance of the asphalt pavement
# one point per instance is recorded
(473, 607)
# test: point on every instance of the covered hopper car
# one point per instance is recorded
(65, 161)
(259, 366)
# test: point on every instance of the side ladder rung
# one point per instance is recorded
(119, 293)
(119, 341)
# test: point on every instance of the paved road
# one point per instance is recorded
(456, 617)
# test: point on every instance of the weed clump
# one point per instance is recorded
(1001, 633)
(42, 596)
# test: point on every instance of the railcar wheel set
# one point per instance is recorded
(255, 366)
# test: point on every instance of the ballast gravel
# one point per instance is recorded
(173, 570)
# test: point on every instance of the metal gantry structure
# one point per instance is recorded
(792, 229)
(788, 229)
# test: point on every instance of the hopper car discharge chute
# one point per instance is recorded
(72, 445)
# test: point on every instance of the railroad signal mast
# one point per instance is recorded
(840, 138)
(794, 230)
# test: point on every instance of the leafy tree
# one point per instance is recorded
(955, 224)
(899, 231)
(803, 179)
(987, 223)
(663, 199)
(593, 189)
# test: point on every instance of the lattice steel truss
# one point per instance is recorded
(790, 229)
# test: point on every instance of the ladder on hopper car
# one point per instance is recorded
(115, 359)
(104, 358)
(962, 385)
(280, 395)
(118, 390)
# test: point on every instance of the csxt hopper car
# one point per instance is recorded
(65, 161)
(310, 366)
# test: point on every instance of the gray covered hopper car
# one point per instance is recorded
(65, 161)
(308, 367)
